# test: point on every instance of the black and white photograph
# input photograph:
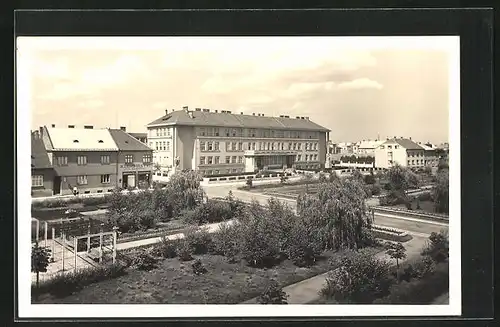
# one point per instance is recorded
(319, 175)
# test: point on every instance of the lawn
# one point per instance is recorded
(173, 281)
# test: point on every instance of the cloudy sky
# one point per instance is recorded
(358, 88)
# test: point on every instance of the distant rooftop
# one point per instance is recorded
(405, 143)
(228, 119)
(126, 142)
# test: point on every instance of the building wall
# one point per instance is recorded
(383, 157)
(415, 158)
(185, 144)
(137, 166)
(93, 170)
(48, 182)
(93, 185)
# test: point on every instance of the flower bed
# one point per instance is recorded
(391, 234)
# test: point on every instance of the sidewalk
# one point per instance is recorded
(307, 291)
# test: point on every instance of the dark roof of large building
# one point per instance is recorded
(126, 142)
(405, 143)
(39, 156)
(141, 135)
(201, 118)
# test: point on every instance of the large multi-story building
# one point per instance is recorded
(400, 151)
(95, 160)
(216, 143)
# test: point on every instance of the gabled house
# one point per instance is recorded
(42, 172)
(400, 151)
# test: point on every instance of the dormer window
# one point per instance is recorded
(75, 141)
(100, 141)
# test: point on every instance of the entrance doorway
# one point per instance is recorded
(57, 185)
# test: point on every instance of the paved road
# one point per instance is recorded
(417, 227)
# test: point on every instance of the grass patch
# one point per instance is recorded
(174, 281)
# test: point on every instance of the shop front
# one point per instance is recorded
(136, 176)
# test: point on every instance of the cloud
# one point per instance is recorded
(360, 83)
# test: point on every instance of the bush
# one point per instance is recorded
(273, 294)
(358, 278)
(144, 260)
(305, 245)
(198, 240)
(165, 248)
(210, 212)
(198, 268)
(249, 183)
(437, 247)
(225, 241)
(419, 291)
(65, 284)
(184, 251)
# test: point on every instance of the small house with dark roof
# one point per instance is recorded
(42, 172)
(402, 151)
(217, 142)
(135, 160)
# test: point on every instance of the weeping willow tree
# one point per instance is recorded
(339, 211)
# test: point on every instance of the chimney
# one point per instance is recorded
(190, 113)
(185, 108)
(88, 127)
(297, 117)
(197, 109)
(253, 113)
(71, 126)
(216, 110)
(123, 128)
(241, 113)
(166, 112)
(228, 112)
(41, 130)
(53, 125)
(410, 138)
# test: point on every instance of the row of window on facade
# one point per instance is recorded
(250, 132)
(37, 180)
(105, 159)
(223, 171)
(207, 146)
(160, 146)
(164, 131)
(215, 160)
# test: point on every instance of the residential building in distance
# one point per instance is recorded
(346, 148)
(214, 142)
(367, 147)
(95, 160)
(141, 137)
(400, 151)
(135, 160)
(42, 172)
(431, 156)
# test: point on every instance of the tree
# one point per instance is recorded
(339, 212)
(437, 247)
(358, 277)
(370, 179)
(307, 178)
(356, 175)
(440, 192)
(398, 252)
(273, 294)
(39, 261)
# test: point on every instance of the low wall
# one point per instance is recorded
(390, 234)
(412, 213)
(276, 177)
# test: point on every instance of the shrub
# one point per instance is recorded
(198, 268)
(305, 245)
(165, 248)
(437, 246)
(184, 251)
(198, 240)
(225, 241)
(419, 291)
(358, 278)
(144, 260)
(65, 284)
(249, 183)
(273, 294)
(210, 212)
